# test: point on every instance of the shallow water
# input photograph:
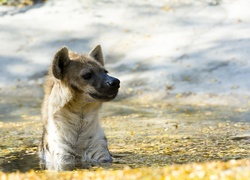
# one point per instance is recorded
(138, 134)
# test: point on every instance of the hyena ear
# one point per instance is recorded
(59, 62)
(96, 53)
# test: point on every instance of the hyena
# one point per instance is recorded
(74, 90)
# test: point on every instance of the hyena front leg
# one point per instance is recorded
(97, 154)
(53, 158)
(58, 161)
(63, 162)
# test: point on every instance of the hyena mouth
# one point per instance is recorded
(103, 97)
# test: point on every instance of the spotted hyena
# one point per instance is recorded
(74, 90)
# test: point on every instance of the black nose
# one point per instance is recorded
(113, 82)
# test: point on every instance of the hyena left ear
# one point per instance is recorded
(59, 62)
(96, 53)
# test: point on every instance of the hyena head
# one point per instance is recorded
(85, 75)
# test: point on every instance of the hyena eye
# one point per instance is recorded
(87, 76)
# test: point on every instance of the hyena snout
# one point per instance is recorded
(113, 83)
(107, 88)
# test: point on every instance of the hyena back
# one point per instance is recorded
(74, 89)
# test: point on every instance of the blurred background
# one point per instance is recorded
(176, 51)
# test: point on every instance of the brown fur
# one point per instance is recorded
(74, 89)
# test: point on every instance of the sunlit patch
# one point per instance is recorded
(152, 135)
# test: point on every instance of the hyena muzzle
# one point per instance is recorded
(74, 89)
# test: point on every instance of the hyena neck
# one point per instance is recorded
(77, 105)
(59, 96)
(62, 99)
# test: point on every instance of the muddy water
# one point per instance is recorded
(139, 134)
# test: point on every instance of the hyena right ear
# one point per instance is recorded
(59, 62)
(96, 53)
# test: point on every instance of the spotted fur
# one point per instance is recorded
(74, 90)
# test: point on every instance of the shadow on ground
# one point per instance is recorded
(22, 161)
